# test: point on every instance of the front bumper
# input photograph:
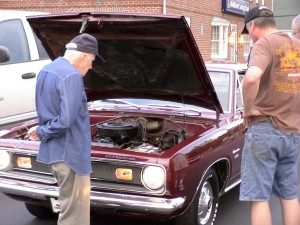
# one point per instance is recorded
(114, 201)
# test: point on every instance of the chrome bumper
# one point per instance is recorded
(123, 202)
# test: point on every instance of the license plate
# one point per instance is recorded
(55, 205)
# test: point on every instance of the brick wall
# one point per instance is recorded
(201, 13)
(60, 6)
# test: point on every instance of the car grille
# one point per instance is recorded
(103, 177)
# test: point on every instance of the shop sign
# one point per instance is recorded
(239, 7)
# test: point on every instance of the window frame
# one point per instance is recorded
(222, 38)
(16, 26)
(246, 46)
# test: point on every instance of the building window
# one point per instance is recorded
(247, 45)
(219, 38)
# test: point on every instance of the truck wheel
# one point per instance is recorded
(40, 211)
(203, 209)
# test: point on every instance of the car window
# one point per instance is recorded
(221, 82)
(239, 97)
(13, 37)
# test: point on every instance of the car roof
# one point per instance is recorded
(234, 66)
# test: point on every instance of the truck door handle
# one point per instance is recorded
(28, 75)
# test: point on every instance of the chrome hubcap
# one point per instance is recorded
(205, 203)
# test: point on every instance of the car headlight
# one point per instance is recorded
(5, 160)
(153, 177)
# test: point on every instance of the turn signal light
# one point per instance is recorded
(24, 162)
(124, 174)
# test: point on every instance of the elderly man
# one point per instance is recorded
(64, 127)
(271, 114)
(296, 27)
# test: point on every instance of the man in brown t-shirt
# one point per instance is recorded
(271, 93)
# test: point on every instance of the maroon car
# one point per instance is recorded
(167, 130)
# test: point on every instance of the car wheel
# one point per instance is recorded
(40, 211)
(203, 209)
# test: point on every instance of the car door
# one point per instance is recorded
(18, 75)
(227, 84)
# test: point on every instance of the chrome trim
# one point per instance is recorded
(236, 183)
(29, 177)
(36, 172)
(236, 150)
(16, 150)
(115, 201)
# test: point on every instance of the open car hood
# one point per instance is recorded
(147, 56)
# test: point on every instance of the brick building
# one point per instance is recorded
(216, 24)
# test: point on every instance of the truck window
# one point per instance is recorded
(13, 37)
(42, 52)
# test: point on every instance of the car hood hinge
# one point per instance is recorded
(85, 21)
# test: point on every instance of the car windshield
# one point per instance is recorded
(221, 82)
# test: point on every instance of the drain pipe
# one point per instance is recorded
(164, 7)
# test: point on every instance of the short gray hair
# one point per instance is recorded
(296, 22)
(72, 53)
(263, 22)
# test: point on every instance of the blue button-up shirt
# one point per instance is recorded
(64, 124)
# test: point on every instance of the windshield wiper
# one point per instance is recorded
(127, 103)
(177, 108)
(112, 103)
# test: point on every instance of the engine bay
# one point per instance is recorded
(141, 134)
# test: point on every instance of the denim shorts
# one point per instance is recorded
(269, 163)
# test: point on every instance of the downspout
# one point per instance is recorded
(164, 7)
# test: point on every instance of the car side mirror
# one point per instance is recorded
(242, 71)
(4, 54)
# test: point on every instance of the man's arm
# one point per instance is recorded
(250, 89)
(71, 95)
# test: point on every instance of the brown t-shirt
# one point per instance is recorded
(278, 98)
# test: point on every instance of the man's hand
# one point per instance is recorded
(254, 112)
(246, 122)
(32, 135)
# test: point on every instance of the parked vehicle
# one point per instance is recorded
(18, 75)
(167, 134)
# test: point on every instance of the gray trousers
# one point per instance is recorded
(74, 195)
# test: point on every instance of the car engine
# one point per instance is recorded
(152, 135)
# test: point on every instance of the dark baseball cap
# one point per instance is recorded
(84, 43)
(258, 11)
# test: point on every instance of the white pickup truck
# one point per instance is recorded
(18, 74)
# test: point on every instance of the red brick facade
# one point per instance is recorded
(200, 12)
